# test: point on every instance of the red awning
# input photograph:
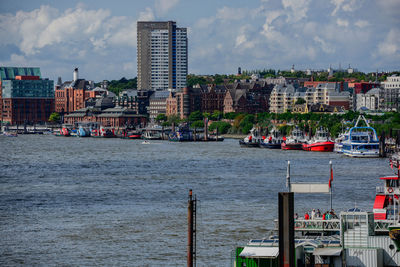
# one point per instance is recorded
(389, 178)
(379, 201)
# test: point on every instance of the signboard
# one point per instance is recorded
(309, 188)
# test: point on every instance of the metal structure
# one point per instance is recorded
(191, 249)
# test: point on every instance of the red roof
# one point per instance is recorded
(379, 201)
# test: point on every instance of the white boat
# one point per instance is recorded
(338, 148)
(362, 141)
(252, 140)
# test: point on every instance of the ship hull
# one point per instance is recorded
(292, 146)
(319, 146)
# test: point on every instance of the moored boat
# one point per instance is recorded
(294, 141)
(362, 141)
(252, 140)
(273, 141)
(320, 142)
(10, 134)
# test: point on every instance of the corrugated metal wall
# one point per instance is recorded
(390, 256)
(364, 257)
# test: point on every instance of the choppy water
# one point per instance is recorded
(87, 201)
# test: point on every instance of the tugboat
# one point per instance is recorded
(320, 142)
(294, 141)
(361, 142)
(252, 140)
(273, 141)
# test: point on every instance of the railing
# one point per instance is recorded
(380, 189)
(382, 225)
(318, 225)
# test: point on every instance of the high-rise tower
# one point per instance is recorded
(162, 61)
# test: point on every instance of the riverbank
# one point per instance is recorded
(235, 136)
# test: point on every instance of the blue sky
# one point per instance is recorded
(99, 36)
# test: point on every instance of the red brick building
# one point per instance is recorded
(72, 95)
(117, 117)
(25, 97)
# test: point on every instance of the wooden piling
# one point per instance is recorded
(382, 145)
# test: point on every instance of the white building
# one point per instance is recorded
(369, 100)
(391, 93)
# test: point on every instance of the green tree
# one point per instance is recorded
(217, 115)
(197, 124)
(223, 126)
(196, 116)
(161, 117)
(55, 117)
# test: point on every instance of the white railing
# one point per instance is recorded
(318, 225)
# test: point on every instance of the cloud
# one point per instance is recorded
(345, 5)
(342, 22)
(361, 23)
(163, 6)
(299, 9)
(229, 13)
(146, 15)
(391, 45)
(327, 48)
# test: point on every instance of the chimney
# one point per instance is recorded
(76, 77)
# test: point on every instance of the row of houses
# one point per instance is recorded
(28, 98)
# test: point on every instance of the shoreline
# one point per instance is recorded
(234, 136)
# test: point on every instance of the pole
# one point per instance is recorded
(288, 176)
(191, 247)
(330, 179)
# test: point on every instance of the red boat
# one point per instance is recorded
(294, 141)
(65, 131)
(320, 142)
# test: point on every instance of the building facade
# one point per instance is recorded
(391, 93)
(25, 97)
(370, 100)
(158, 104)
(162, 60)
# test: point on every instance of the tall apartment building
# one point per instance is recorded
(25, 98)
(162, 61)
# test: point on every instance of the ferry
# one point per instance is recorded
(362, 142)
(320, 142)
(294, 141)
(273, 141)
(252, 140)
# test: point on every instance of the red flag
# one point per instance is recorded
(331, 178)
(391, 164)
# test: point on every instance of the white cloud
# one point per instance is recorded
(390, 47)
(147, 15)
(345, 5)
(327, 48)
(342, 22)
(299, 9)
(229, 13)
(361, 23)
(163, 6)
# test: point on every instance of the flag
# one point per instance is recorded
(391, 164)
(331, 178)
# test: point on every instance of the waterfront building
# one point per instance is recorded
(116, 117)
(158, 104)
(183, 102)
(72, 95)
(391, 93)
(212, 97)
(162, 60)
(283, 97)
(370, 100)
(25, 97)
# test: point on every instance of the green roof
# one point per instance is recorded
(9, 73)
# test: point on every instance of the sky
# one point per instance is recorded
(99, 36)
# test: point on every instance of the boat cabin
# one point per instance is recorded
(387, 199)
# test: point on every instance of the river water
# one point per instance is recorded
(114, 202)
